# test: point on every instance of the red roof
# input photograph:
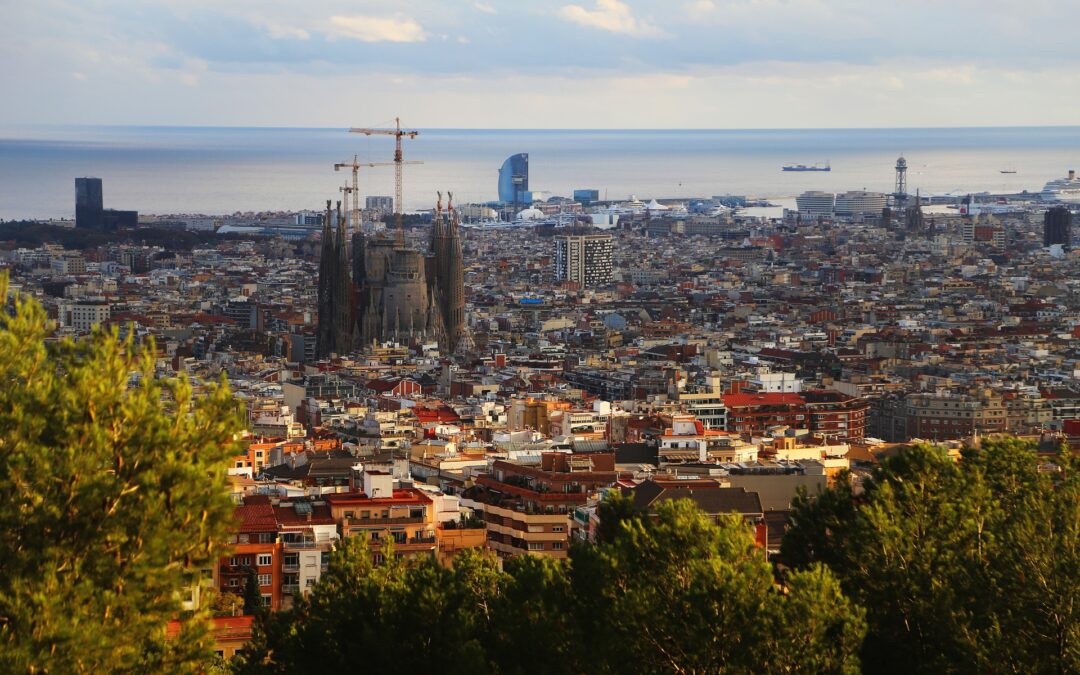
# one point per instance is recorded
(257, 517)
(402, 496)
(743, 400)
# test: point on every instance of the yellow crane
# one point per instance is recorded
(398, 133)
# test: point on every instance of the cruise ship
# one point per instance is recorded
(1065, 190)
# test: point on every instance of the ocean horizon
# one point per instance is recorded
(223, 170)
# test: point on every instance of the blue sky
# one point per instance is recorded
(540, 63)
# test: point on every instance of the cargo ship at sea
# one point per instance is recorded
(807, 167)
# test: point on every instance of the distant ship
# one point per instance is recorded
(1008, 171)
(811, 167)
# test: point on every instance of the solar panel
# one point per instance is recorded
(302, 507)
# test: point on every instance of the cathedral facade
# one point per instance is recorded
(389, 292)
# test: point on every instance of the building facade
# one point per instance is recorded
(1057, 227)
(815, 203)
(514, 179)
(583, 259)
(89, 204)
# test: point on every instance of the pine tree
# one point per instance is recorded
(969, 567)
(112, 501)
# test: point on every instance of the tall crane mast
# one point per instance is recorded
(398, 133)
(354, 213)
(355, 164)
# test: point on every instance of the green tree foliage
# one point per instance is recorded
(112, 501)
(392, 617)
(225, 604)
(679, 593)
(969, 567)
(253, 601)
(674, 594)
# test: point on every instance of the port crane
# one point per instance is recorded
(398, 133)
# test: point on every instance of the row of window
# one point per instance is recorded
(261, 560)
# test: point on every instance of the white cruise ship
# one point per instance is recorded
(1065, 190)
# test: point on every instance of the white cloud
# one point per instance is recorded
(279, 31)
(609, 15)
(699, 8)
(378, 28)
(484, 7)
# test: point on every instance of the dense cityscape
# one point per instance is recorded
(484, 375)
(615, 337)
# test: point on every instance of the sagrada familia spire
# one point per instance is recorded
(391, 292)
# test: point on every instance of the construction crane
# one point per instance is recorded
(354, 213)
(355, 164)
(398, 133)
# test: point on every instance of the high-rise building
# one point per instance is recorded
(1057, 227)
(90, 211)
(815, 203)
(514, 179)
(583, 258)
(860, 203)
(89, 204)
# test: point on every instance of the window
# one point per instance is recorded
(266, 579)
(350, 514)
(265, 559)
(557, 528)
(234, 583)
(536, 546)
(309, 582)
(365, 514)
(292, 560)
(267, 600)
(556, 546)
(399, 537)
(325, 558)
(375, 535)
(266, 538)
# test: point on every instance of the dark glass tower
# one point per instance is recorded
(1057, 227)
(89, 204)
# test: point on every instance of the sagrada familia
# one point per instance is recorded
(390, 292)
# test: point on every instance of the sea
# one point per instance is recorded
(226, 170)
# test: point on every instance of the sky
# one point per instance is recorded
(541, 63)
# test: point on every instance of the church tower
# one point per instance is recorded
(449, 274)
(334, 334)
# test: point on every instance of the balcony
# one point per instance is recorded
(287, 567)
(290, 589)
(422, 540)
